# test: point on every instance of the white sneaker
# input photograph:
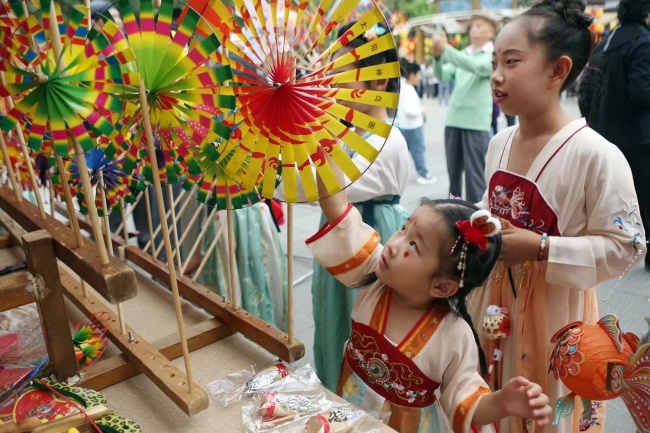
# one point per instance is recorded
(427, 180)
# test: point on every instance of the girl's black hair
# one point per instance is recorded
(388, 56)
(633, 11)
(478, 264)
(562, 27)
(411, 68)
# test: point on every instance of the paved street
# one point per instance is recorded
(629, 299)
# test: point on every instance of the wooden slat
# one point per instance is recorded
(6, 241)
(115, 281)
(12, 291)
(41, 260)
(115, 369)
(145, 357)
(254, 328)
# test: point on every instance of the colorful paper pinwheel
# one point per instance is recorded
(290, 103)
(183, 89)
(106, 176)
(214, 183)
(17, 161)
(89, 341)
(69, 101)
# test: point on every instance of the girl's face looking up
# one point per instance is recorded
(410, 260)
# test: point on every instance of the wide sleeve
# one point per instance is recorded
(444, 71)
(479, 64)
(349, 249)
(614, 235)
(638, 78)
(462, 387)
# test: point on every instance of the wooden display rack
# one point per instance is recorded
(115, 283)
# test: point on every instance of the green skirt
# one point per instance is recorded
(261, 264)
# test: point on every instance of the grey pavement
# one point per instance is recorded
(627, 297)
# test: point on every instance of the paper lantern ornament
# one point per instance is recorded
(599, 362)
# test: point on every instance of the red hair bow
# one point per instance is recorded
(473, 235)
(479, 228)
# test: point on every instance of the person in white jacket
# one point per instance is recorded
(410, 119)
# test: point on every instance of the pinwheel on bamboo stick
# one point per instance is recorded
(58, 82)
(292, 111)
(107, 178)
(67, 100)
(176, 91)
(183, 93)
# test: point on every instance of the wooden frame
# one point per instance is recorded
(239, 320)
(116, 283)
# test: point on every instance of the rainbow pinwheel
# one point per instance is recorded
(106, 176)
(213, 182)
(17, 161)
(183, 89)
(69, 101)
(89, 341)
(291, 107)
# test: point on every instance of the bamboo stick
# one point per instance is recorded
(200, 237)
(188, 199)
(207, 254)
(10, 169)
(129, 212)
(232, 262)
(170, 193)
(125, 231)
(290, 269)
(152, 236)
(109, 243)
(165, 232)
(52, 204)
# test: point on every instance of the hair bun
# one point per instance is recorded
(572, 11)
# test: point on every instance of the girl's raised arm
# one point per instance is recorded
(335, 205)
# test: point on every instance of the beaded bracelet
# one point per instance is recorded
(542, 247)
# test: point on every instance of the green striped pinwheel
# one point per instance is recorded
(184, 89)
(66, 97)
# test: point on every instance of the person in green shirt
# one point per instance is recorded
(469, 118)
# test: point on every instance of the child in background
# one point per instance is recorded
(410, 119)
(567, 195)
(407, 338)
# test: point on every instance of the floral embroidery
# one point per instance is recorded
(511, 204)
(566, 357)
(395, 378)
(587, 422)
(506, 202)
(631, 224)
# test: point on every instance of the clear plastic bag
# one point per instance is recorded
(300, 413)
(258, 379)
(23, 353)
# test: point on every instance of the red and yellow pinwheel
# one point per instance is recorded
(294, 105)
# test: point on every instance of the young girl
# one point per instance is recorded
(407, 340)
(567, 196)
(377, 196)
